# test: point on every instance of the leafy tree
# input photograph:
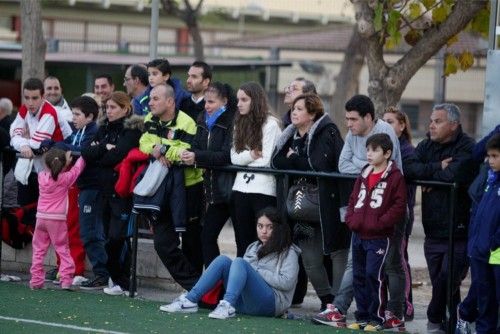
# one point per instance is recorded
(189, 14)
(426, 26)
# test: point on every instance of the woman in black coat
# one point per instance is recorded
(313, 142)
(106, 211)
(211, 147)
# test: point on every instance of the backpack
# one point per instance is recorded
(18, 225)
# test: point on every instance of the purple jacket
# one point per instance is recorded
(407, 150)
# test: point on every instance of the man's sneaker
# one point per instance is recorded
(436, 328)
(463, 327)
(97, 283)
(180, 305)
(78, 280)
(331, 316)
(223, 311)
(57, 281)
(393, 323)
(51, 275)
(373, 327)
(115, 290)
(358, 325)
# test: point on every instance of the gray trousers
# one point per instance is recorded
(312, 258)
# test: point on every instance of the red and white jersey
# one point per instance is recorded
(31, 130)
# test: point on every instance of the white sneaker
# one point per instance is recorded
(78, 280)
(116, 290)
(223, 311)
(181, 305)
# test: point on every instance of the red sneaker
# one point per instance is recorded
(331, 316)
(393, 323)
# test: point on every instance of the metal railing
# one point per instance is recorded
(283, 177)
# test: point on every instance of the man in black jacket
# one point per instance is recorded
(446, 156)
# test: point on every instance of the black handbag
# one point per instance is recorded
(302, 202)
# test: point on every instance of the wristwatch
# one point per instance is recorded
(163, 149)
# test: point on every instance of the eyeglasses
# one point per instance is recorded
(126, 79)
(291, 88)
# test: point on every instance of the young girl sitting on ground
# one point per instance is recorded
(51, 228)
(261, 283)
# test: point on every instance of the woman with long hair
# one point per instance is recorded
(255, 134)
(400, 266)
(105, 214)
(212, 147)
(260, 283)
(312, 142)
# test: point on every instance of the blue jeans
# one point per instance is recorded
(246, 290)
(345, 294)
(92, 230)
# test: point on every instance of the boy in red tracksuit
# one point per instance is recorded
(378, 202)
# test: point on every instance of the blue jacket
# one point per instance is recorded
(140, 104)
(479, 152)
(484, 234)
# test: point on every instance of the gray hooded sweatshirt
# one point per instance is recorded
(279, 271)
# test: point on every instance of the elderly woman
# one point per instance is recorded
(313, 143)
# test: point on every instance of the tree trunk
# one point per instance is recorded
(33, 42)
(194, 31)
(347, 81)
(388, 82)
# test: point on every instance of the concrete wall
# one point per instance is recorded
(150, 270)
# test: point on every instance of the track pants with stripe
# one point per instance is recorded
(368, 260)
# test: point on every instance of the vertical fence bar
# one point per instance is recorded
(452, 314)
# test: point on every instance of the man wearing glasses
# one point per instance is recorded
(297, 87)
(136, 85)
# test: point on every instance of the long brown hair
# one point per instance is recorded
(55, 160)
(403, 119)
(248, 128)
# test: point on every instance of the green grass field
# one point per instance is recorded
(55, 311)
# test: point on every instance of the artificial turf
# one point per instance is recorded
(123, 314)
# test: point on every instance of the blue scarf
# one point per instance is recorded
(211, 119)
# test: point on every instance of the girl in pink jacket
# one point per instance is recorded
(51, 228)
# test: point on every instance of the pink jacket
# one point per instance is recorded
(53, 200)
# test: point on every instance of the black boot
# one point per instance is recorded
(327, 299)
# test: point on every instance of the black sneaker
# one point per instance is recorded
(100, 282)
(51, 275)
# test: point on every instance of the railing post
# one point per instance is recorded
(452, 314)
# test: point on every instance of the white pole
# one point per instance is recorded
(153, 34)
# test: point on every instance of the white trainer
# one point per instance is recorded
(223, 311)
(78, 280)
(180, 305)
(116, 290)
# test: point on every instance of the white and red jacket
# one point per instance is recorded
(30, 130)
(53, 200)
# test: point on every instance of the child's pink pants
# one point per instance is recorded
(49, 232)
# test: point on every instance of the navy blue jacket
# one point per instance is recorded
(484, 234)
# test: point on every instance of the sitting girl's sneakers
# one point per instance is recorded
(223, 311)
(180, 305)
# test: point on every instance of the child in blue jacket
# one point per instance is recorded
(484, 246)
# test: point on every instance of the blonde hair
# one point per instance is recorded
(403, 119)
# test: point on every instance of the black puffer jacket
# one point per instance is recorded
(324, 145)
(212, 148)
(425, 164)
(125, 134)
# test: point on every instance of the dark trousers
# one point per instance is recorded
(301, 286)
(115, 217)
(166, 242)
(368, 260)
(28, 194)
(436, 256)
(244, 210)
(483, 276)
(213, 222)
(191, 239)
